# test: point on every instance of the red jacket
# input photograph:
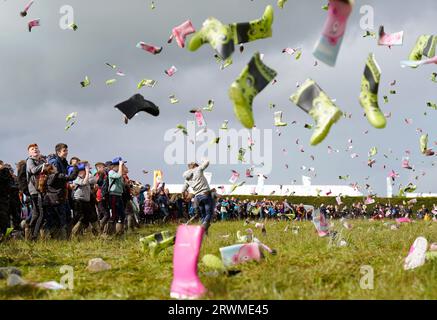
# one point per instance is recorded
(100, 181)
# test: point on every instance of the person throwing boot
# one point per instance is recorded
(195, 179)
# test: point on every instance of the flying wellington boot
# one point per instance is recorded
(425, 46)
(328, 47)
(224, 125)
(369, 93)
(252, 80)
(218, 35)
(257, 29)
(281, 3)
(186, 283)
(278, 119)
(313, 100)
(423, 143)
(181, 32)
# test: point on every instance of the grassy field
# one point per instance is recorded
(305, 267)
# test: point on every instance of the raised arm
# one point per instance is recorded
(204, 165)
(32, 168)
(87, 174)
(73, 175)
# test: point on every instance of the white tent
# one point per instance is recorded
(286, 190)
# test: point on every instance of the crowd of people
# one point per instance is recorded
(50, 197)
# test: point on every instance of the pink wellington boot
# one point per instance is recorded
(186, 283)
(403, 220)
(181, 32)
(393, 39)
(332, 36)
(149, 48)
(406, 164)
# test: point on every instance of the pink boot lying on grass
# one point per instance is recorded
(403, 220)
(186, 283)
(239, 253)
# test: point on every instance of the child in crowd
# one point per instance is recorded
(84, 214)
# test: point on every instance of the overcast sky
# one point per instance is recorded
(41, 72)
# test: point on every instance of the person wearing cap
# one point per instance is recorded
(35, 166)
(74, 161)
(101, 176)
(195, 179)
(116, 188)
(82, 201)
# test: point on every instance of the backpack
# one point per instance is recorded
(126, 195)
(23, 183)
(52, 159)
(106, 186)
(23, 180)
(41, 183)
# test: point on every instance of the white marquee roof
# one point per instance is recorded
(296, 190)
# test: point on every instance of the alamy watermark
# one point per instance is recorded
(367, 21)
(67, 280)
(224, 147)
(68, 17)
(366, 281)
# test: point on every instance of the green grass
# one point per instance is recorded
(305, 267)
(347, 201)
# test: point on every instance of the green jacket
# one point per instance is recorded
(115, 183)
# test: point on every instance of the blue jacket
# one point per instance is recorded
(60, 164)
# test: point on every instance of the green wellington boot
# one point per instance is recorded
(157, 241)
(369, 93)
(77, 230)
(311, 98)
(252, 80)
(278, 119)
(218, 35)
(256, 29)
(423, 143)
(157, 246)
(281, 3)
(425, 46)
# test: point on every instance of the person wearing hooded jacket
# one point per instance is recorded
(195, 179)
(34, 167)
